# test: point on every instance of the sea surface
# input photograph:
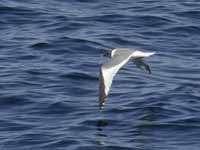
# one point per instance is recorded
(50, 55)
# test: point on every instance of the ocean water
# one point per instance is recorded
(50, 54)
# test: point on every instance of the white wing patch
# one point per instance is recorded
(119, 58)
(109, 72)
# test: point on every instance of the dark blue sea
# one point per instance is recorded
(50, 55)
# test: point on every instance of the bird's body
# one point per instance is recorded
(119, 57)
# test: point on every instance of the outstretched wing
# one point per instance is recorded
(139, 62)
(107, 73)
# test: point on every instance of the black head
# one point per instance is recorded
(107, 53)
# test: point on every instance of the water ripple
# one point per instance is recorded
(50, 58)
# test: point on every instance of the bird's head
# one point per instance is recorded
(107, 53)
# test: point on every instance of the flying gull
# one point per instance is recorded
(119, 57)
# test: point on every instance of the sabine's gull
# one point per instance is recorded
(119, 57)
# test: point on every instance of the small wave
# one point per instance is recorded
(6, 10)
(13, 125)
(117, 40)
(172, 126)
(75, 46)
(190, 14)
(13, 101)
(153, 21)
(28, 57)
(58, 108)
(66, 25)
(61, 142)
(111, 147)
(40, 45)
(184, 30)
(108, 18)
(78, 76)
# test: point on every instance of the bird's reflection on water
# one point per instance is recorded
(140, 136)
(101, 136)
(101, 124)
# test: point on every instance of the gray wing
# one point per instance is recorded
(107, 73)
(139, 62)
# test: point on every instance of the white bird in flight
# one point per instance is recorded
(119, 57)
